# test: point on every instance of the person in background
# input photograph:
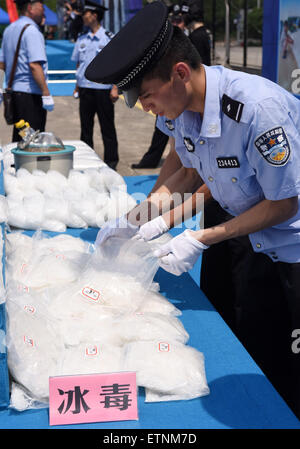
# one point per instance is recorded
(31, 95)
(95, 98)
(73, 11)
(197, 31)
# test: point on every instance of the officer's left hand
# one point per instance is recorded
(48, 102)
(114, 94)
(180, 254)
(152, 229)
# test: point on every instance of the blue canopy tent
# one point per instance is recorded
(4, 17)
(51, 16)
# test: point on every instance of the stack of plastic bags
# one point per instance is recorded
(50, 201)
(74, 309)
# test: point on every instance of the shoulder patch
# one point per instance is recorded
(274, 146)
(109, 34)
(232, 108)
(189, 144)
(169, 125)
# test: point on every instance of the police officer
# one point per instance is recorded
(198, 33)
(95, 98)
(160, 139)
(31, 96)
(240, 133)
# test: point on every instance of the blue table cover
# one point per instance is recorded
(241, 397)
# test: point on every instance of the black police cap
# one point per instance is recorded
(177, 9)
(93, 6)
(23, 2)
(133, 51)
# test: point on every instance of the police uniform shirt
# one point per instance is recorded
(246, 149)
(166, 126)
(86, 48)
(32, 49)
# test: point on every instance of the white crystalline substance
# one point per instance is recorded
(170, 369)
(50, 201)
(92, 358)
(149, 326)
(49, 269)
(39, 263)
(95, 291)
(74, 309)
(90, 327)
(33, 348)
(3, 209)
(156, 303)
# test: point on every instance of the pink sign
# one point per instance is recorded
(92, 398)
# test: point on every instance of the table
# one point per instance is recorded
(241, 397)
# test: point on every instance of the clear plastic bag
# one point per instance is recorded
(74, 309)
(171, 370)
(151, 326)
(91, 358)
(41, 262)
(50, 201)
(33, 347)
(131, 258)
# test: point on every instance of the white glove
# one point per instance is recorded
(180, 254)
(119, 227)
(152, 229)
(48, 102)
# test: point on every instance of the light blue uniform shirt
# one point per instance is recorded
(246, 149)
(32, 49)
(86, 49)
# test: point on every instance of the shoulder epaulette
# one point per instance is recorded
(232, 108)
(109, 34)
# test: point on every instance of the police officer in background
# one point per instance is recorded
(95, 98)
(31, 95)
(198, 32)
(238, 133)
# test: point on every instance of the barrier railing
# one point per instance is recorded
(61, 72)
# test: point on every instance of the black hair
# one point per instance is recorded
(180, 49)
(100, 15)
(23, 8)
(195, 12)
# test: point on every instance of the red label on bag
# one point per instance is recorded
(163, 347)
(90, 293)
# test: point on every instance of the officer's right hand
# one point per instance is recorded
(48, 102)
(152, 229)
(76, 93)
(114, 94)
(180, 254)
(119, 227)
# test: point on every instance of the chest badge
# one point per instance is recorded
(169, 125)
(228, 162)
(274, 146)
(189, 145)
